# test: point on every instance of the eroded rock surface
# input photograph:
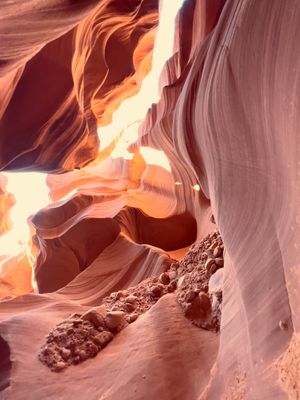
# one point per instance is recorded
(83, 336)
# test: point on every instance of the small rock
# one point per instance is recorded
(172, 286)
(103, 338)
(59, 366)
(155, 290)
(131, 299)
(93, 317)
(213, 245)
(181, 282)
(199, 309)
(208, 263)
(65, 353)
(132, 317)
(164, 278)
(91, 349)
(119, 295)
(212, 269)
(172, 275)
(217, 252)
(216, 282)
(115, 320)
(212, 219)
(283, 325)
(219, 262)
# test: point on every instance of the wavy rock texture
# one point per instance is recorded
(227, 120)
(61, 72)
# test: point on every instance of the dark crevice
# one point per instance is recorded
(5, 364)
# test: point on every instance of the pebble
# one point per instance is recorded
(65, 353)
(199, 308)
(132, 317)
(172, 275)
(217, 252)
(119, 295)
(213, 245)
(93, 317)
(216, 282)
(212, 269)
(283, 325)
(103, 338)
(155, 290)
(164, 278)
(180, 283)
(131, 299)
(115, 320)
(208, 263)
(172, 286)
(219, 262)
(59, 366)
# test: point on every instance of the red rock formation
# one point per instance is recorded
(228, 121)
(62, 78)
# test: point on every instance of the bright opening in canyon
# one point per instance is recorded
(30, 189)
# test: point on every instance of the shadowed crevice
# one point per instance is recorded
(169, 234)
(5, 364)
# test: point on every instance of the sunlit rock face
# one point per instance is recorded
(227, 122)
(63, 76)
(6, 202)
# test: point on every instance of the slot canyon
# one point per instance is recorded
(149, 199)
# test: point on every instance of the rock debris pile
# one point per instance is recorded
(199, 282)
(196, 281)
(80, 337)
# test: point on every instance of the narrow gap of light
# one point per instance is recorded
(31, 193)
(155, 157)
(134, 109)
(30, 188)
